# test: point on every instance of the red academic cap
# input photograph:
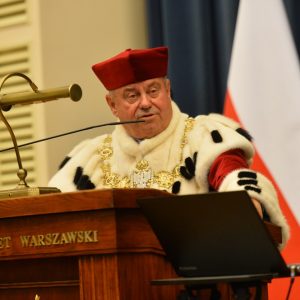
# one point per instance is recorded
(132, 66)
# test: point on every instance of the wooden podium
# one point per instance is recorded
(89, 245)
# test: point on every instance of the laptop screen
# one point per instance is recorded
(213, 234)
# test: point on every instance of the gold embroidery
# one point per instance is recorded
(106, 150)
(114, 180)
(142, 165)
(165, 179)
(143, 176)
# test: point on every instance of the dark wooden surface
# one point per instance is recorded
(119, 265)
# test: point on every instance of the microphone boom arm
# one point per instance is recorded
(72, 132)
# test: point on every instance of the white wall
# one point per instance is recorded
(70, 36)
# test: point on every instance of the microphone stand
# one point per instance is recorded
(22, 188)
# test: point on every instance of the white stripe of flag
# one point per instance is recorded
(264, 95)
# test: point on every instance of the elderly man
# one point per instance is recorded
(168, 150)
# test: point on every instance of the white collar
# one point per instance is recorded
(131, 147)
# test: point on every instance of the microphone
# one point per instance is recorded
(72, 91)
(72, 132)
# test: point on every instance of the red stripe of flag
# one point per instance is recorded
(279, 287)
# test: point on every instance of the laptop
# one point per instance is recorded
(215, 235)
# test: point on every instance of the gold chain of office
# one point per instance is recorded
(142, 176)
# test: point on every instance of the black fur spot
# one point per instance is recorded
(195, 157)
(244, 133)
(78, 174)
(247, 181)
(247, 174)
(252, 188)
(190, 166)
(266, 216)
(85, 183)
(81, 181)
(216, 136)
(62, 164)
(184, 172)
(188, 170)
(176, 187)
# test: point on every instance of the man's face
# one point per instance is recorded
(149, 101)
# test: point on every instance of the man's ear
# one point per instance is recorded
(112, 104)
(168, 87)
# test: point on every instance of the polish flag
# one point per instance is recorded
(264, 96)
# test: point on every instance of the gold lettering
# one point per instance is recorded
(48, 239)
(33, 241)
(64, 239)
(5, 242)
(72, 236)
(95, 232)
(87, 237)
(80, 237)
(25, 240)
(40, 239)
(55, 240)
